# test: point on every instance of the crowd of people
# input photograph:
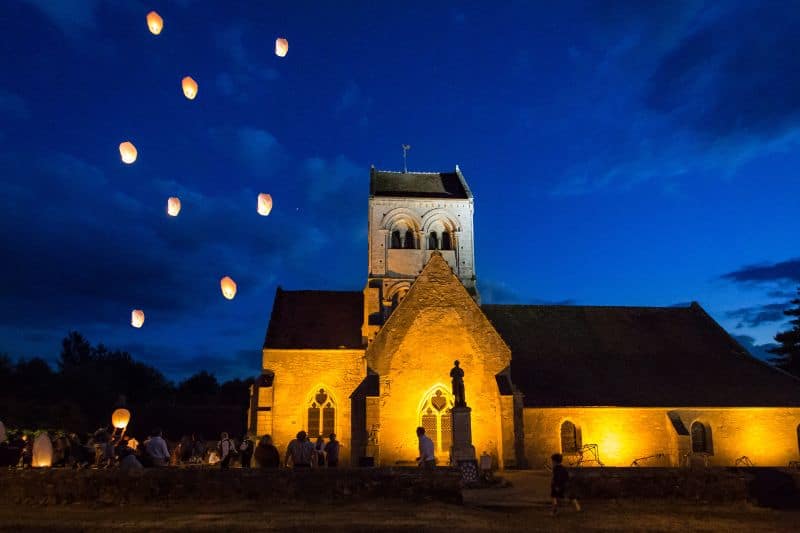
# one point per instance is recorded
(105, 449)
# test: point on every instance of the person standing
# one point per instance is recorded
(156, 449)
(559, 484)
(266, 453)
(227, 451)
(426, 459)
(246, 450)
(301, 451)
(332, 451)
(319, 448)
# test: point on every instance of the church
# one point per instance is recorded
(604, 385)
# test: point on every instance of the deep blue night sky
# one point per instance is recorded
(619, 155)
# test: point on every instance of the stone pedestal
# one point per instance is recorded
(462, 448)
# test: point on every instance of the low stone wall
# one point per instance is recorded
(201, 485)
(771, 487)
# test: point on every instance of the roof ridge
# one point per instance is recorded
(416, 171)
(681, 308)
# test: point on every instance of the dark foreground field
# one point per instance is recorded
(379, 516)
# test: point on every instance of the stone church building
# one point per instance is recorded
(605, 385)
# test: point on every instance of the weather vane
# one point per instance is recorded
(406, 148)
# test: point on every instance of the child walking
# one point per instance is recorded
(560, 483)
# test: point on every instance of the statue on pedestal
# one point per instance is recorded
(457, 374)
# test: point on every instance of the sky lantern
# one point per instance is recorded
(189, 87)
(264, 204)
(228, 287)
(281, 47)
(128, 152)
(42, 451)
(137, 318)
(120, 418)
(154, 22)
(173, 206)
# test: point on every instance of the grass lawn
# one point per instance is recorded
(377, 516)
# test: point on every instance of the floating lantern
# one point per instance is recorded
(42, 451)
(281, 47)
(264, 204)
(189, 87)
(154, 22)
(133, 443)
(173, 206)
(137, 318)
(228, 287)
(120, 418)
(128, 152)
(2, 432)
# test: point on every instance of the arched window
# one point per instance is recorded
(395, 240)
(410, 244)
(437, 419)
(798, 437)
(321, 415)
(433, 241)
(447, 243)
(701, 441)
(570, 438)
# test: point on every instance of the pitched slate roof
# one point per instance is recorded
(633, 356)
(418, 184)
(315, 319)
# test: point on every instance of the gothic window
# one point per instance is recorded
(570, 438)
(701, 442)
(395, 240)
(321, 415)
(447, 244)
(410, 240)
(437, 420)
(433, 241)
(798, 437)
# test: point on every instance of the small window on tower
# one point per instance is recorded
(433, 241)
(410, 241)
(446, 242)
(395, 240)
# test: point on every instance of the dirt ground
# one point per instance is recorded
(522, 507)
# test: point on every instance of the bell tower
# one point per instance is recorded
(411, 215)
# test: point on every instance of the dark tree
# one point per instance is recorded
(200, 388)
(789, 350)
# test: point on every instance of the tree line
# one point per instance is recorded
(90, 381)
(788, 349)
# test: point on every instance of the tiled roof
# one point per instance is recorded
(315, 319)
(418, 184)
(633, 356)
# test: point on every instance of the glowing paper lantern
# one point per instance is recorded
(281, 47)
(127, 152)
(189, 87)
(120, 418)
(133, 443)
(264, 204)
(173, 206)
(228, 287)
(42, 451)
(137, 318)
(2, 432)
(154, 22)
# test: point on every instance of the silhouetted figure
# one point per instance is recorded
(266, 454)
(457, 375)
(332, 451)
(426, 459)
(227, 451)
(246, 450)
(301, 452)
(156, 449)
(319, 448)
(559, 485)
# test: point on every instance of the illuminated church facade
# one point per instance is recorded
(614, 386)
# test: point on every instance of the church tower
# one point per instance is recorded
(412, 214)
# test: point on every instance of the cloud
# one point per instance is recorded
(497, 293)
(13, 106)
(781, 272)
(246, 70)
(755, 316)
(759, 351)
(260, 149)
(71, 16)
